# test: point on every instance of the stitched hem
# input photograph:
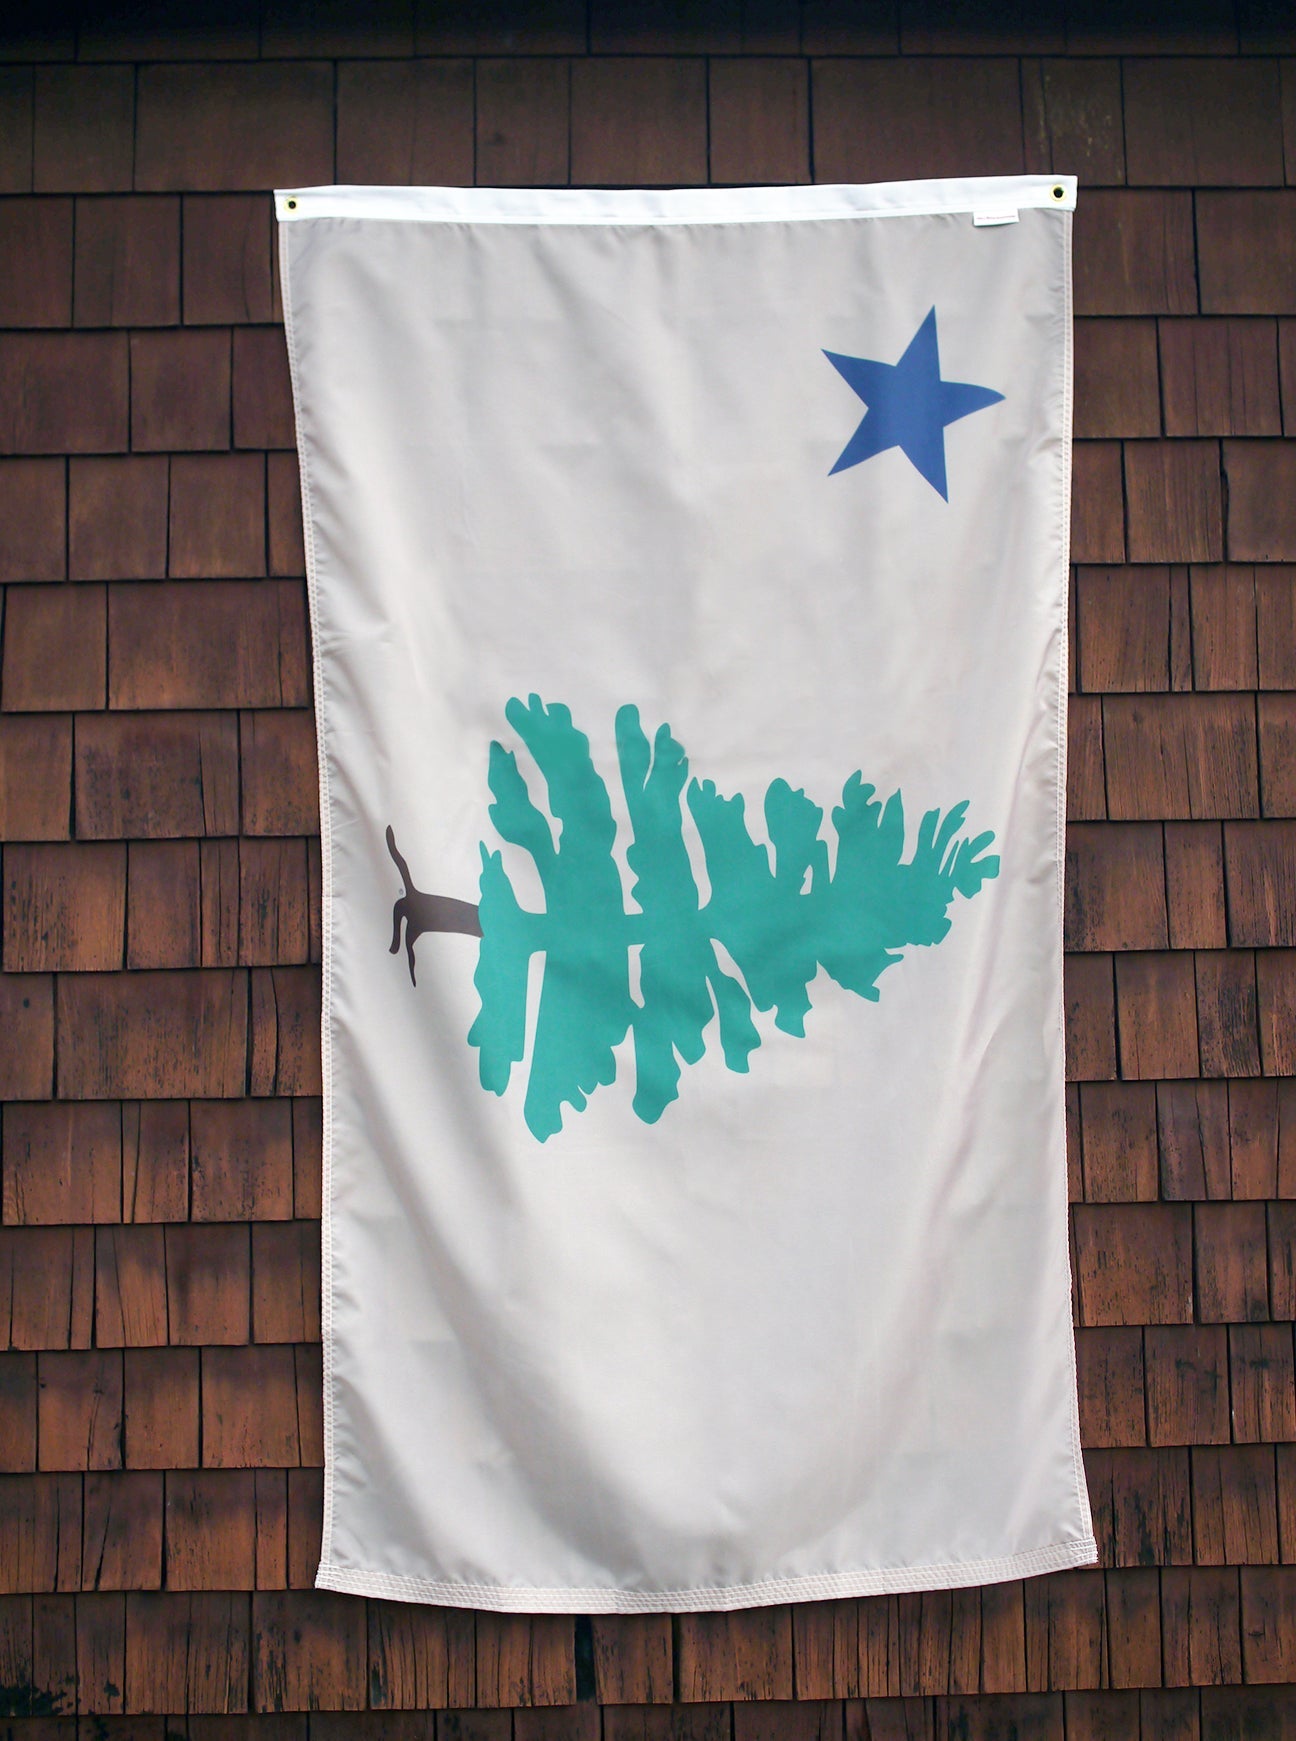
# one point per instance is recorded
(816, 1587)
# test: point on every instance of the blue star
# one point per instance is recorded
(908, 405)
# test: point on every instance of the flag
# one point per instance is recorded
(688, 581)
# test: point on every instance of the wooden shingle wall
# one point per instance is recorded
(160, 1150)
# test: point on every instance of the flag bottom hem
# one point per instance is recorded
(814, 1587)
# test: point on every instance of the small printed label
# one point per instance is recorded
(1005, 215)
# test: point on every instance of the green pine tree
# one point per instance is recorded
(778, 918)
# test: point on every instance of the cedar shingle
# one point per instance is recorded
(1276, 627)
(521, 122)
(211, 1529)
(218, 875)
(406, 122)
(1281, 1240)
(27, 1023)
(1260, 865)
(647, 27)
(1277, 723)
(1101, 27)
(286, 1282)
(15, 129)
(1230, 1262)
(1263, 1381)
(32, 535)
(127, 261)
(285, 1053)
(1109, 1373)
(1200, 1626)
(1134, 254)
(161, 1411)
(53, 1678)
(187, 1652)
(62, 1162)
(1120, 1141)
(1115, 886)
(308, 1376)
(1086, 798)
(146, 1034)
(208, 1284)
(1133, 1642)
(1072, 119)
(79, 1406)
(1003, 1637)
(759, 121)
(180, 390)
(83, 133)
(633, 1654)
(1180, 756)
(249, 1408)
(1134, 1263)
(1151, 1513)
(1276, 993)
(1246, 252)
(274, 917)
(55, 649)
(122, 1539)
(1193, 1135)
(1223, 627)
(64, 907)
(63, 392)
(1116, 385)
(310, 1651)
(40, 1533)
(1064, 1631)
(155, 1160)
(131, 1288)
(117, 518)
(284, 515)
(1123, 623)
(1261, 482)
(884, 120)
(291, 29)
(228, 249)
(1220, 377)
(1187, 1384)
(1189, 122)
(1097, 502)
(225, 644)
(17, 1413)
(1175, 510)
(528, 1659)
(1226, 1013)
(163, 924)
(1090, 1018)
(1257, 1138)
(228, 128)
(263, 407)
(307, 1157)
(421, 1658)
(37, 233)
(638, 122)
(46, 1287)
(101, 1653)
(280, 775)
(1194, 861)
(270, 1487)
(156, 775)
(1269, 1624)
(242, 1160)
(1235, 1505)
(35, 777)
(1156, 1016)
(217, 516)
